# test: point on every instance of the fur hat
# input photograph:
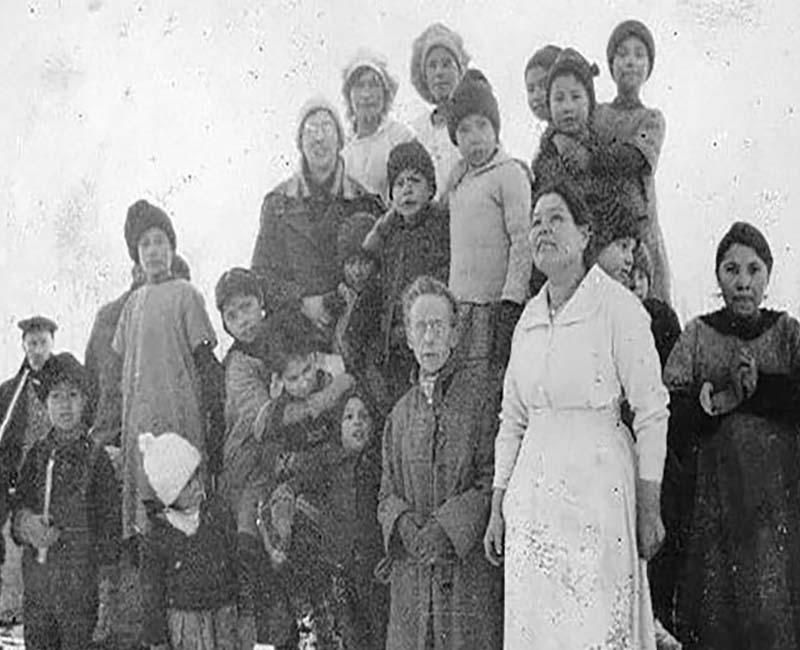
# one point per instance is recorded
(312, 105)
(169, 462)
(572, 62)
(471, 97)
(37, 324)
(544, 58)
(435, 35)
(613, 219)
(748, 235)
(59, 368)
(141, 217)
(410, 155)
(237, 281)
(366, 59)
(624, 30)
(351, 235)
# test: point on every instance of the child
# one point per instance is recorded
(188, 573)
(490, 208)
(536, 71)
(66, 517)
(247, 379)
(631, 54)
(164, 343)
(357, 333)
(412, 239)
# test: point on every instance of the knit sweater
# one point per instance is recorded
(490, 215)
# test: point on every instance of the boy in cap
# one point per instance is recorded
(66, 516)
(412, 238)
(490, 212)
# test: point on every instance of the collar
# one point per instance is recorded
(584, 302)
(384, 123)
(724, 322)
(440, 382)
(343, 186)
(625, 104)
(463, 169)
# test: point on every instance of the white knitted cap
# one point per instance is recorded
(169, 461)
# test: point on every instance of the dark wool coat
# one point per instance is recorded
(85, 507)
(438, 461)
(295, 252)
(188, 573)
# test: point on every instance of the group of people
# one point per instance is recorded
(458, 411)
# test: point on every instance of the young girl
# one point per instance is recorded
(490, 206)
(631, 54)
(536, 71)
(66, 517)
(412, 238)
(189, 556)
(171, 380)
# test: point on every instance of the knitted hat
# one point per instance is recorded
(410, 155)
(544, 58)
(472, 97)
(169, 462)
(624, 30)
(435, 35)
(613, 219)
(352, 233)
(572, 62)
(237, 282)
(141, 217)
(37, 324)
(642, 261)
(312, 105)
(748, 235)
(60, 368)
(366, 59)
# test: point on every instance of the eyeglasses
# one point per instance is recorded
(436, 327)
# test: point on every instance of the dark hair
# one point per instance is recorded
(292, 336)
(748, 235)
(544, 58)
(570, 62)
(577, 206)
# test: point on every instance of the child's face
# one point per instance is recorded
(569, 105)
(300, 377)
(357, 271)
(536, 87)
(155, 253)
(476, 139)
(616, 259)
(192, 494)
(441, 73)
(65, 406)
(356, 425)
(367, 94)
(410, 193)
(630, 65)
(641, 285)
(242, 315)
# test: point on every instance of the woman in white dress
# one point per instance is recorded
(575, 510)
(369, 91)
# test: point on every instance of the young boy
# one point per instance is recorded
(412, 238)
(67, 517)
(490, 208)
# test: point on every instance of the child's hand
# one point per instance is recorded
(36, 531)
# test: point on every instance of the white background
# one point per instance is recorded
(192, 105)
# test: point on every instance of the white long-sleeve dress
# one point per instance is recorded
(573, 577)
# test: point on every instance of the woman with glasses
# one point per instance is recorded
(369, 90)
(436, 488)
(295, 252)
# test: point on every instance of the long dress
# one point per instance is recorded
(160, 327)
(573, 576)
(740, 587)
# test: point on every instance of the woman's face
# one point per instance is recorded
(319, 140)
(442, 73)
(557, 241)
(569, 105)
(367, 95)
(242, 315)
(431, 332)
(616, 259)
(742, 277)
(630, 65)
(155, 253)
(536, 87)
(356, 425)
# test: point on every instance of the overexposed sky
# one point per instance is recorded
(192, 105)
